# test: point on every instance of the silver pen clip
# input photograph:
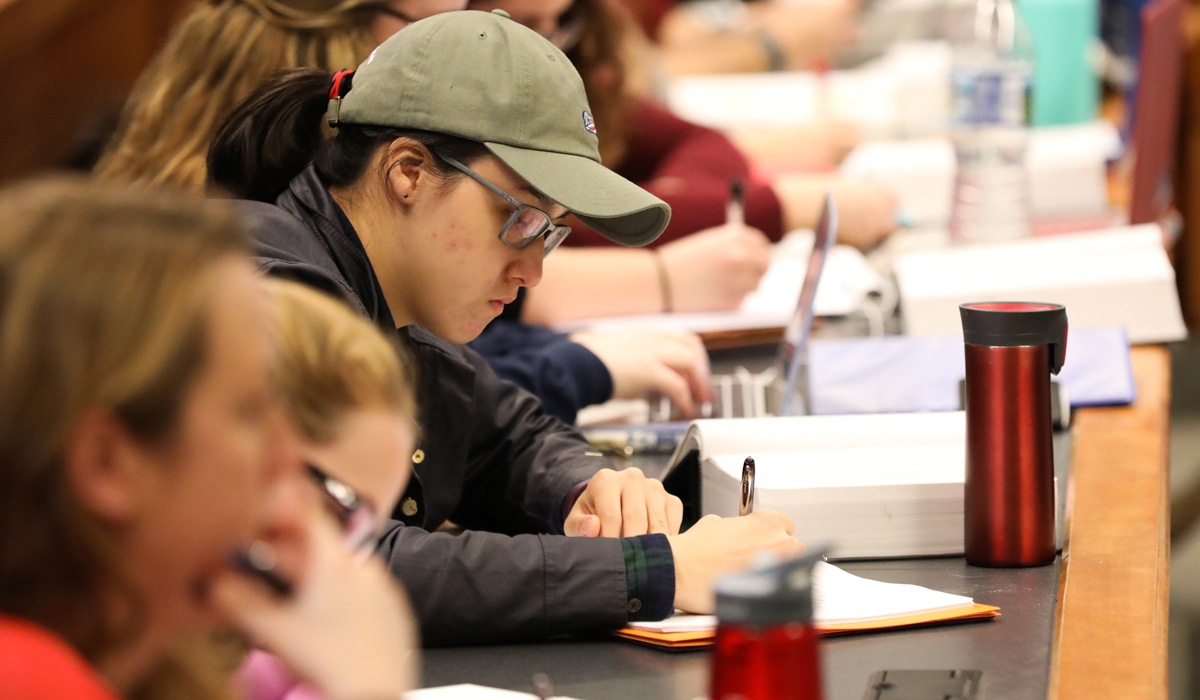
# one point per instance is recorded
(747, 505)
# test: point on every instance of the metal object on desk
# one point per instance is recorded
(925, 685)
(1012, 348)
(626, 441)
(746, 507)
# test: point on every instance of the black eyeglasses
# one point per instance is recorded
(355, 515)
(527, 223)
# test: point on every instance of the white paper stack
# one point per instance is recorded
(839, 598)
(1067, 172)
(904, 93)
(868, 486)
(1115, 277)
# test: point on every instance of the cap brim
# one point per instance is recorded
(602, 199)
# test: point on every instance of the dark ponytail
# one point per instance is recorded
(272, 135)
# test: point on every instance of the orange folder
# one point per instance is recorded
(677, 641)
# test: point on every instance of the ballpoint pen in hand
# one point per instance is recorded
(746, 507)
(735, 209)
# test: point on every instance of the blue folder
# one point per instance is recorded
(899, 374)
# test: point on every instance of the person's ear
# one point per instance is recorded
(407, 167)
(102, 468)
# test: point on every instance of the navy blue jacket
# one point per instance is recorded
(566, 376)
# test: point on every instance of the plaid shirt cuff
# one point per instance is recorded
(649, 577)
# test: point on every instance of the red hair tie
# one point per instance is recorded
(335, 94)
(335, 88)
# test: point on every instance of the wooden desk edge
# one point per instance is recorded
(1110, 636)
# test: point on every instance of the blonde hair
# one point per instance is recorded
(332, 361)
(214, 59)
(104, 303)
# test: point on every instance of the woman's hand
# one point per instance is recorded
(714, 269)
(642, 361)
(624, 504)
(866, 209)
(715, 546)
(807, 32)
(347, 628)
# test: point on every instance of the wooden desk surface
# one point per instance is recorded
(1111, 629)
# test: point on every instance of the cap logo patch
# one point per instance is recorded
(589, 124)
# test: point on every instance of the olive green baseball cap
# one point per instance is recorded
(484, 77)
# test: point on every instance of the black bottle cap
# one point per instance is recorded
(772, 593)
(1015, 323)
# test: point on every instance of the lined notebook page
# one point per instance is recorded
(840, 597)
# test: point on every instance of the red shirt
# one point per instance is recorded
(35, 664)
(688, 166)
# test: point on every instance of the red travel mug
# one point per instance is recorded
(767, 647)
(1012, 348)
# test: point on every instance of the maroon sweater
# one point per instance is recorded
(688, 166)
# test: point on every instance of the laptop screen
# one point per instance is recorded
(795, 336)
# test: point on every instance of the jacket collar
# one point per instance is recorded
(308, 198)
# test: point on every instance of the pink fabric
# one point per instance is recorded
(264, 677)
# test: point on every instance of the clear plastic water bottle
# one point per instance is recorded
(992, 78)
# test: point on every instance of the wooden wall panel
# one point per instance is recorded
(67, 64)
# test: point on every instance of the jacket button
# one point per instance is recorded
(635, 605)
(409, 507)
(418, 456)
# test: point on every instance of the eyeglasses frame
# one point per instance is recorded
(347, 501)
(518, 207)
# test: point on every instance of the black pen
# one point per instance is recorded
(735, 209)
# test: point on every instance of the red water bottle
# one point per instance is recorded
(1012, 348)
(766, 645)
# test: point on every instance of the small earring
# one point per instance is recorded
(406, 195)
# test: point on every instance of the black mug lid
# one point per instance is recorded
(1016, 323)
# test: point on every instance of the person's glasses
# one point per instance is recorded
(355, 515)
(527, 223)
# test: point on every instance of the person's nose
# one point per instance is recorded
(526, 270)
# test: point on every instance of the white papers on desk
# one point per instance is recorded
(467, 691)
(1114, 277)
(905, 93)
(846, 280)
(1067, 171)
(840, 597)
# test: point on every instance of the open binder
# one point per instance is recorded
(866, 486)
